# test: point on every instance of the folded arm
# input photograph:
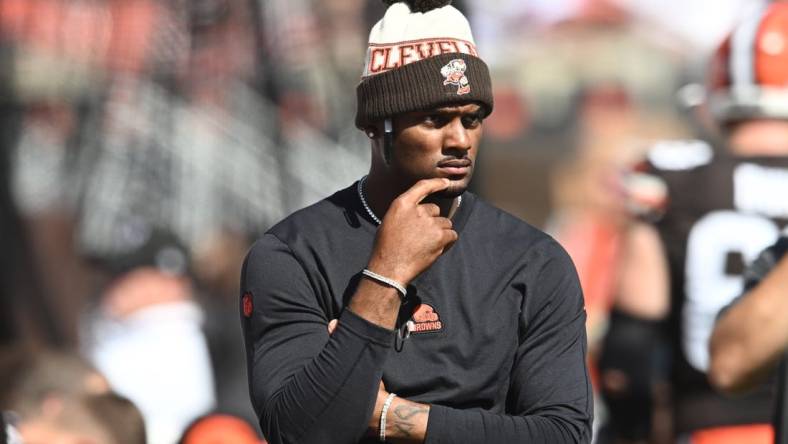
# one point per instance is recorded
(549, 399)
(306, 386)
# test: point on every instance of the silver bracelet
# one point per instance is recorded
(386, 281)
(386, 405)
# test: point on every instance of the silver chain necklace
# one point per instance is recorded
(360, 189)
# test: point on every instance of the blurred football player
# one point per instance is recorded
(716, 209)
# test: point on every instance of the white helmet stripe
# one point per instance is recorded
(742, 60)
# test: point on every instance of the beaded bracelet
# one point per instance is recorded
(386, 405)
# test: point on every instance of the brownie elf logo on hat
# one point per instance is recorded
(421, 55)
(454, 72)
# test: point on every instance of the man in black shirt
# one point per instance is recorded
(456, 321)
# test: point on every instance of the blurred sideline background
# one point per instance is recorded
(147, 143)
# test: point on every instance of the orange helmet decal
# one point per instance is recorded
(771, 63)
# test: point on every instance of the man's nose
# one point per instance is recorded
(457, 136)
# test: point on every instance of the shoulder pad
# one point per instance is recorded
(678, 155)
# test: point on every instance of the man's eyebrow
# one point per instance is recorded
(477, 111)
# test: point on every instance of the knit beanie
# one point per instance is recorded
(421, 56)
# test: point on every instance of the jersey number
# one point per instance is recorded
(708, 288)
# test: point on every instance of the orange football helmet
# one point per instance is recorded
(748, 76)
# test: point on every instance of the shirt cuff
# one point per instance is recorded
(365, 329)
(435, 423)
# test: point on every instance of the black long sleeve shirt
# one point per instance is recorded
(499, 346)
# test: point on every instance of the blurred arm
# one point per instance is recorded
(628, 363)
(644, 282)
(751, 335)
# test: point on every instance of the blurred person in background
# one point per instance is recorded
(712, 210)
(89, 419)
(27, 311)
(28, 375)
(145, 334)
(583, 84)
(587, 84)
(479, 337)
(54, 396)
(120, 416)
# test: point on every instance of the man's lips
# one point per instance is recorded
(455, 166)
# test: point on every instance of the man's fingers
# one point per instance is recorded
(443, 222)
(431, 209)
(332, 325)
(424, 188)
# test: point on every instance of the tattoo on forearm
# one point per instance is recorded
(403, 428)
(403, 415)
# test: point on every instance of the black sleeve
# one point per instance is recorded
(550, 393)
(306, 387)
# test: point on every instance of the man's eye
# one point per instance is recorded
(432, 119)
(471, 121)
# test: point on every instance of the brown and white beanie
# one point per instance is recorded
(421, 55)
